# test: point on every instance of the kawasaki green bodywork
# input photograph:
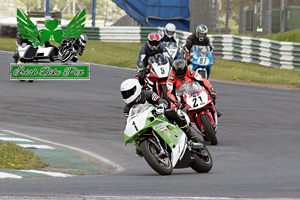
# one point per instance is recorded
(142, 123)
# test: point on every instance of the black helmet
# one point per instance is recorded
(179, 68)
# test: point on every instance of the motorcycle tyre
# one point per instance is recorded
(209, 130)
(164, 91)
(66, 56)
(200, 165)
(52, 59)
(152, 161)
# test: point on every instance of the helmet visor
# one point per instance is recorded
(128, 93)
(154, 43)
(170, 32)
(180, 73)
(201, 35)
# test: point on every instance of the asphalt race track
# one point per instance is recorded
(258, 155)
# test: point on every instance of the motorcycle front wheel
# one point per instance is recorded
(209, 130)
(66, 56)
(203, 161)
(164, 91)
(161, 165)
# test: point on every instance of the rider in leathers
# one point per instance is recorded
(181, 74)
(168, 34)
(197, 38)
(77, 43)
(150, 48)
(143, 96)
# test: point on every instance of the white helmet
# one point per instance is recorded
(83, 39)
(130, 90)
(201, 32)
(170, 30)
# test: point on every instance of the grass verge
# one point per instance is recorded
(289, 36)
(13, 156)
(126, 54)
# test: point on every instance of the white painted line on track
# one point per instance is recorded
(35, 146)
(114, 67)
(70, 197)
(117, 168)
(53, 174)
(172, 198)
(8, 175)
(3, 51)
(15, 139)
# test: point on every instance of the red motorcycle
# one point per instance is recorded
(159, 70)
(201, 110)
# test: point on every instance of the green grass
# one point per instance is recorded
(8, 44)
(13, 156)
(126, 54)
(251, 73)
(111, 53)
(289, 36)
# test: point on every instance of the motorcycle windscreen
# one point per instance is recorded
(158, 58)
(202, 51)
(137, 109)
(171, 45)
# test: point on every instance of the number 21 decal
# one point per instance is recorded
(196, 101)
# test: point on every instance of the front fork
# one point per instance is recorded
(158, 147)
(213, 120)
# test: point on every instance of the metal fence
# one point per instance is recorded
(264, 52)
(246, 49)
(285, 55)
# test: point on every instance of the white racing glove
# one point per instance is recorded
(160, 109)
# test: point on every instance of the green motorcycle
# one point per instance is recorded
(163, 144)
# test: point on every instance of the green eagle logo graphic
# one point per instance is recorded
(29, 31)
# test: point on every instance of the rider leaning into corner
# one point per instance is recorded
(150, 48)
(168, 34)
(133, 94)
(181, 74)
(199, 37)
(77, 43)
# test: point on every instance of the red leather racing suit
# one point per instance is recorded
(190, 74)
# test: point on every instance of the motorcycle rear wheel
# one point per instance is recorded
(209, 130)
(158, 164)
(203, 161)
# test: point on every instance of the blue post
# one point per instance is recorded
(94, 12)
(47, 8)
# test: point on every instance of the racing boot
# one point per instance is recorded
(192, 136)
(219, 113)
(74, 59)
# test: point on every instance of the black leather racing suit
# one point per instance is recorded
(193, 40)
(144, 54)
(165, 38)
(69, 43)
